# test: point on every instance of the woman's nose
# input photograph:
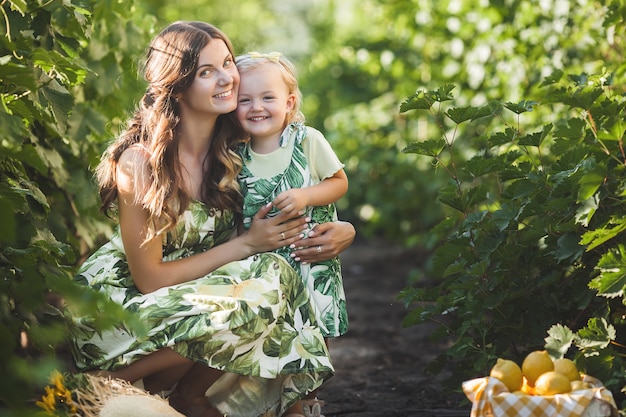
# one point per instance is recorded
(226, 78)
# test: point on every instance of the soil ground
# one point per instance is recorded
(380, 364)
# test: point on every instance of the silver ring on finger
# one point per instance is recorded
(319, 249)
(282, 235)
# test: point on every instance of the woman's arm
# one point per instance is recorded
(331, 238)
(147, 267)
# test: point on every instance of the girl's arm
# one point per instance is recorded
(147, 267)
(327, 191)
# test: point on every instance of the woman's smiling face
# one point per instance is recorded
(215, 84)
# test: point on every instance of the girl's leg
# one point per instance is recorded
(296, 409)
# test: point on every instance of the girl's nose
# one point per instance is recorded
(257, 105)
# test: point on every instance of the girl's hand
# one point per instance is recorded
(291, 201)
(325, 241)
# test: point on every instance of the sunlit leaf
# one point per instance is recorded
(431, 147)
(597, 334)
(552, 78)
(590, 182)
(559, 340)
(418, 101)
(521, 107)
(594, 238)
(612, 279)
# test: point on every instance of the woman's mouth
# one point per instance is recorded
(224, 94)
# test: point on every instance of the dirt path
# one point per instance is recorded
(380, 365)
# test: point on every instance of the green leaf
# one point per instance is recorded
(597, 335)
(573, 129)
(568, 248)
(467, 198)
(431, 147)
(583, 97)
(594, 238)
(535, 139)
(67, 70)
(16, 75)
(502, 138)
(418, 101)
(462, 114)
(449, 196)
(612, 279)
(559, 340)
(521, 107)
(423, 100)
(479, 166)
(552, 78)
(590, 181)
(443, 93)
(60, 101)
(19, 5)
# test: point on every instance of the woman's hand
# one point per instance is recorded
(325, 241)
(266, 234)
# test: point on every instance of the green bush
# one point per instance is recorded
(54, 102)
(533, 236)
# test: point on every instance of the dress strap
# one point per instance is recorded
(295, 130)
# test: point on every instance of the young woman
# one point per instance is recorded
(221, 314)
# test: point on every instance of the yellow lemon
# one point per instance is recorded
(568, 368)
(536, 363)
(527, 389)
(509, 373)
(550, 383)
(577, 385)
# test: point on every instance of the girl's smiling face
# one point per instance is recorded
(264, 102)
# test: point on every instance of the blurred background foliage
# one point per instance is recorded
(69, 78)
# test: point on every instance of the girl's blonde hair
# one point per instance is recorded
(169, 68)
(251, 60)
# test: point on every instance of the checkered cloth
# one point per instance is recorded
(491, 398)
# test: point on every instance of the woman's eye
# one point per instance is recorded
(228, 62)
(244, 101)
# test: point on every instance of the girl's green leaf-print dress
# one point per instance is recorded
(303, 159)
(253, 319)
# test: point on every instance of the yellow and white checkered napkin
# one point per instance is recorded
(491, 398)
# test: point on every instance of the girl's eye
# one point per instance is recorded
(267, 98)
(205, 73)
(244, 101)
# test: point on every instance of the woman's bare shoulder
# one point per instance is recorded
(133, 168)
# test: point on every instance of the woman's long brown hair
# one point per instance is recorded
(169, 69)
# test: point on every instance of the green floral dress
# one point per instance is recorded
(253, 319)
(323, 279)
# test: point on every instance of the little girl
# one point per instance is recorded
(293, 167)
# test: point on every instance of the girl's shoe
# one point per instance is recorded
(310, 408)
